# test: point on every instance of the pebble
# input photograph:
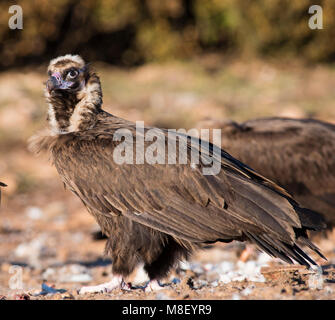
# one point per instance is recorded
(239, 278)
(83, 277)
(197, 268)
(239, 271)
(184, 265)
(208, 267)
(246, 291)
(32, 250)
(162, 296)
(49, 274)
(258, 278)
(225, 278)
(34, 213)
(328, 290)
(263, 259)
(175, 281)
(77, 237)
(215, 283)
(74, 273)
(47, 290)
(225, 267)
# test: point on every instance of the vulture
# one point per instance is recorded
(296, 154)
(156, 212)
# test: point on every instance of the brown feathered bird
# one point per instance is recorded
(297, 154)
(157, 213)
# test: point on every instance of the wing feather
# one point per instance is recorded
(177, 199)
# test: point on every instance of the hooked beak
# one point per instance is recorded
(56, 82)
(52, 84)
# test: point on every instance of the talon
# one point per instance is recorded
(126, 286)
(154, 285)
(107, 287)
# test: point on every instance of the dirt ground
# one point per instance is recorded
(45, 232)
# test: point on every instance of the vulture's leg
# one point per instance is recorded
(115, 283)
(124, 259)
(159, 268)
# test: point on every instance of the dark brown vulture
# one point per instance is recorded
(297, 154)
(156, 213)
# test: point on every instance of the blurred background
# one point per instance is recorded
(170, 63)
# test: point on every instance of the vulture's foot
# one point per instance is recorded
(116, 283)
(153, 285)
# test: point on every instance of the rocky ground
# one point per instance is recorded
(46, 246)
(55, 255)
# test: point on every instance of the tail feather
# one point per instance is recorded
(270, 250)
(285, 251)
(306, 242)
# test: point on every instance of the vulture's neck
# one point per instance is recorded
(71, 112)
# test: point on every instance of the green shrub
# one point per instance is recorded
(135, 31)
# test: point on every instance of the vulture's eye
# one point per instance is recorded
(72, 74)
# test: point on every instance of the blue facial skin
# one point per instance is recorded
(59, 83)
(56, 81)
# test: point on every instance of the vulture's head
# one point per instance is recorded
(72, 90)
(67, 74)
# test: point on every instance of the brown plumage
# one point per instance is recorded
(297, 154)
(156, 214)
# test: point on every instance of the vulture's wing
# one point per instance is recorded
(296, 154)
(179, 200)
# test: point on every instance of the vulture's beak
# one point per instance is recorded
(56, 81)
(52, 84)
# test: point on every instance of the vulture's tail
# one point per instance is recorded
(287, 252)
